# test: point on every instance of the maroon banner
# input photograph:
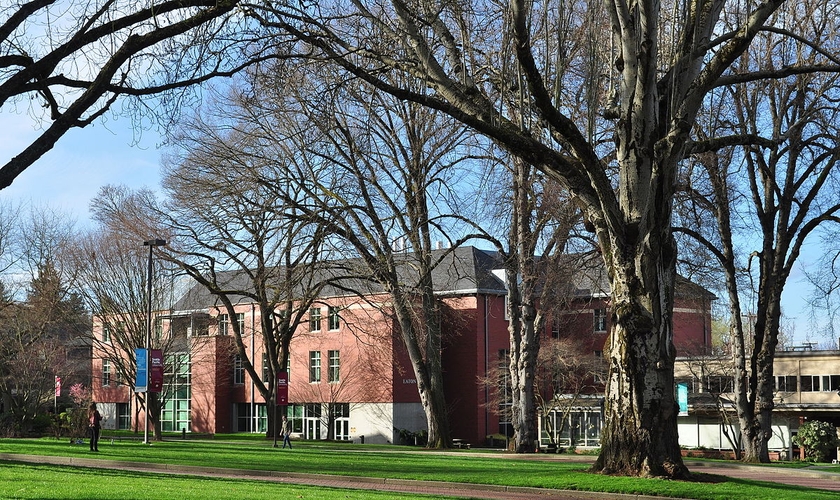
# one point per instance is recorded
(156, 371)
(282, 388)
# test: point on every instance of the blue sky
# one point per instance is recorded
(69, 176)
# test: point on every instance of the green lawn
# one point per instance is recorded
(386, 462)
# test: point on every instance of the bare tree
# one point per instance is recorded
(377, 173)
(113, 282)
(39, 323)
(68, 63)
(452, 56)
(784, 185)
(540, 223)
(568, 371)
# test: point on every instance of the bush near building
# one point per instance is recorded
(819, 440)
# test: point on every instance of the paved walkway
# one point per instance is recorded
(793, 477)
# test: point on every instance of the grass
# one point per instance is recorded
(18, 480)
(391, 462)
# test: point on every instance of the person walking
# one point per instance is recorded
(286, 430)
(94, 426)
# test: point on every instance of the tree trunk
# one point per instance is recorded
(523, 325)
(425, 356)
(523, 363)
(639, 435)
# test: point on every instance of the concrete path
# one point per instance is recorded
(794, 477)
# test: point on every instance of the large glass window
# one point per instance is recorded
(719, 384)
(334, 367)
(578, 428)
(176, 413)
(314, 366)
(810, 383)
(106, 334)
(294, 413)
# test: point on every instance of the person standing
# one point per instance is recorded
(94, 426)
(286, 430)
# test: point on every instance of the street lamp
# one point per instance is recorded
(151, 244)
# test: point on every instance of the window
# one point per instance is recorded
(831, 383)
(341, 420)
(600, 319)
(123, 416)
(810, 383)
(574, 428)
(786, 383)
(238, 371)
(334, 321)
(106, 372)
(505, 394)
(335, 364)
(314, 366)
(555, 329)
(315, 319)
(719, 384)
(312, 421)
(264, 367)
(158, 328)
(224, 324)
(175, 415)
(106, 334)
(240, 321)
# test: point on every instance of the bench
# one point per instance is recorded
(460, 444)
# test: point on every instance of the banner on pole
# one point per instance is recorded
(682, 398)
(282, 388)
(156, 371)
(142, 381)
(57, 386)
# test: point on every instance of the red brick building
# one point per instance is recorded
(348, 371)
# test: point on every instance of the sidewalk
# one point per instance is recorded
(793, 477)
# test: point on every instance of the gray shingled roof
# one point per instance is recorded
(462, 271)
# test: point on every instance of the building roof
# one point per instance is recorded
(461, 271)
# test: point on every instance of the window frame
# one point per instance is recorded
(333, 318)
(224, 324)
(238, 370)
(106, 372)
(315, 319)
(333, 366)
(314, 367)
(599, 320)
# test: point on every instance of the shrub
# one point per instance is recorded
(819, 440)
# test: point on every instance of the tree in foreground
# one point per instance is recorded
(608, 112)
(777, 191)
(68, 62)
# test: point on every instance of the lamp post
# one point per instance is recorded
(151, 244)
